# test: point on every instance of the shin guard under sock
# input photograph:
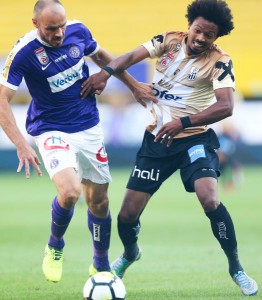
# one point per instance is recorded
(60, 220)
(128, 233)
(223, 229)
(100, 229)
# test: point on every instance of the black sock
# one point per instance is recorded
(128, 233)
(131, 252)
(233, 261)
(223, 229)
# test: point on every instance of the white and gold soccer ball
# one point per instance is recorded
(104, 286)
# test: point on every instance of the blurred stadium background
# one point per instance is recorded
(120, 26)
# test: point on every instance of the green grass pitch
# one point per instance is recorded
(181, 258)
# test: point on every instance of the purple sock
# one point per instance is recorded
(100, 230)
(60, 220)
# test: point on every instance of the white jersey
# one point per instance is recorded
(184, 85)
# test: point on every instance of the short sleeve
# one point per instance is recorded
(91, 45)
(155, 46)
(14, 70)
(224, 73)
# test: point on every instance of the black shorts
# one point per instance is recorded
(195, 156)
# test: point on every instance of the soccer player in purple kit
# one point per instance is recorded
(66, 128)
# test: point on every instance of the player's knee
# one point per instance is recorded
(70, 195)
(208, 199)
(127, 216)
(99, 207)
(209, 202)
(209, 206)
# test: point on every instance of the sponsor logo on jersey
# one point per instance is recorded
(196, 152)
(42, 56)
(166, 59)
(165, 95)
(146, 174)
(67, 78)
(165, 84)
(176, 72)
(55, 143)
(46, 66)
(193, 73)
(62, 57)
(74, 52)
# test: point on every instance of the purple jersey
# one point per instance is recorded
(54, 77)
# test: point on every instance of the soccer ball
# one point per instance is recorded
(104, 286)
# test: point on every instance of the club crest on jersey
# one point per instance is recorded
(177, 47)
(74, 52)
(193, 74)
(54, 163)
(166, 59)
(42, 56)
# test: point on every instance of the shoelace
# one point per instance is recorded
(56, 254)
(243, 280)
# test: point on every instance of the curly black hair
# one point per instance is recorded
(215, 11)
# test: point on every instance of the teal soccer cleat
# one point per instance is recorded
(247, 285)
(121, 264)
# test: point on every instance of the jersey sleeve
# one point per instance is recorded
(91, 45)
(224, 73)
(14, 70)
(155, 46)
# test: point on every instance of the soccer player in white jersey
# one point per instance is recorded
(190, 70)
(66, 126)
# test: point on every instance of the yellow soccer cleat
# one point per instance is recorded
(53, 263)
(92, 270)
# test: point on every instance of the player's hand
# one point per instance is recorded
(168, 131)
(27, 156)
(143, 92)
(94, 84)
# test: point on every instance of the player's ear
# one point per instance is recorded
(34, 21)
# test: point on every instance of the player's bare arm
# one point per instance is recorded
(220, 110)
(96, 83)
(101, 58)
(25, 152)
